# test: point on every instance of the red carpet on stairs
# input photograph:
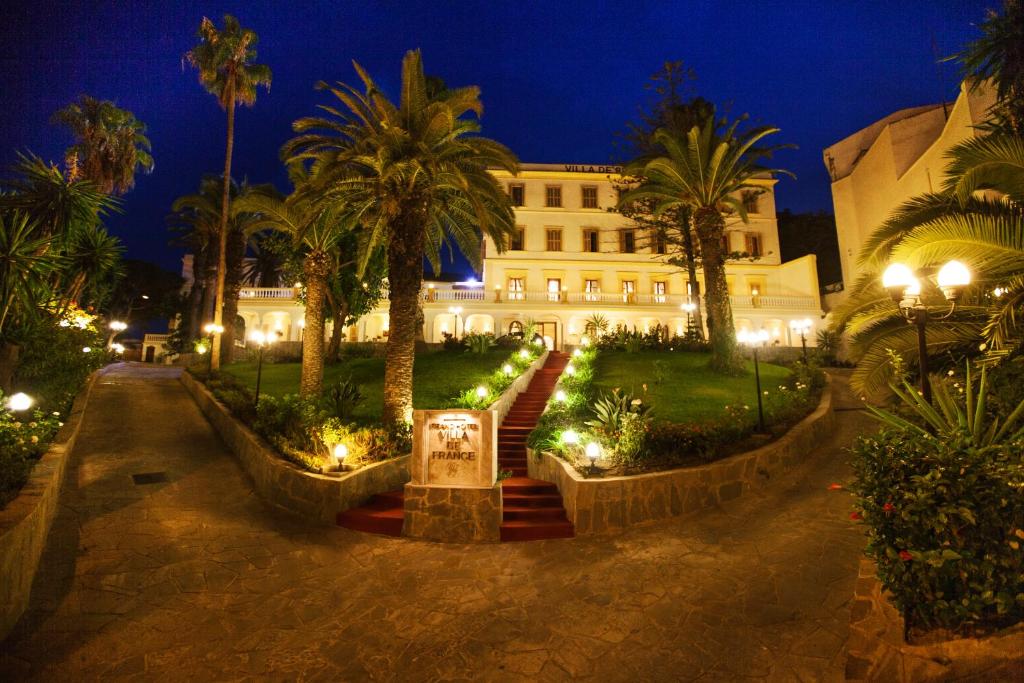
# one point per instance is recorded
(532, 509)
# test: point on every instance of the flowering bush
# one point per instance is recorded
(941, 491)
(23, 440)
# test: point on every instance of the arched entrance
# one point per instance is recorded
(150, 354)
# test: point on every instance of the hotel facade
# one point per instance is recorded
(573, 257)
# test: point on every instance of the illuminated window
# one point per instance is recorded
(591, 240)
(554, 239)
(518, 239)
(553, 196)
(660, 291)
(554, 289)
(627, 241)
(589, 196)
(517, 194)
(516, 291)
(754, 247)
(591, 290)
(628, 291)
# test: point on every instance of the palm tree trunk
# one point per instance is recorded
(405, 277)
(710, 228)
(218, 318)
(315, 269)
(339, 312)
(195, 310)
(232, 287)
(691, 269)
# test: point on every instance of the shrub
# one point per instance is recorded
(53, 366)
(942, 494)
(342, 399)
(23, 440)
(479, 343)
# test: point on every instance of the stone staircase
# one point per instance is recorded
(383, 514)
(532, 509)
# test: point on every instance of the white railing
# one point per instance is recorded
(453, 294)
(267, 293)
(801, 302)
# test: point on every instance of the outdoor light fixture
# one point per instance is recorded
(481, 391)
(19, 401)
(86, 349)
(560, 396)
(340, 453)
(570, 437)
(201, 349)
(585, 341)
(117, 348)
(118, 326)
(753, 340)
(801, 327)
(593, 452)
(456, 311)
(507, 368)
(67, 323)
(212, 329)
(523, 353)
(577, 353)
(905, 289)
(262, 340)
(570, 369)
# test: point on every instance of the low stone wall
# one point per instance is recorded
(606, 504)
(25, 522)
(453, 515)
(876, 650)
(314, 496)
(504, 402)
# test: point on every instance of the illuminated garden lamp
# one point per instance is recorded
(507, 369)
(753, 340)
(570, 437)
(19, 402)
(952, 279)
(570, 369)
(118, 326)
(593, 453)
(577, 353)
(340, 453)
(560, 396)
(585, 341)
(212, 329)
(802, 327)
(481, 391)
(523, 353)
(262, 340)
(117, 348)
(86, 349)
(896, 279)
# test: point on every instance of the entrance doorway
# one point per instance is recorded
(550, 333)
(150, 353)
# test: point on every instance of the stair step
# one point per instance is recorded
(525, 485)
(386, 522)
(519, 530)
(531, 500)
(533, 513)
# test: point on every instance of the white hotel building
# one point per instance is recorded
(573, 258)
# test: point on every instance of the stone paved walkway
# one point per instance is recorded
(197, 578)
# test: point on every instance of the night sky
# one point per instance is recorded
(559, 79)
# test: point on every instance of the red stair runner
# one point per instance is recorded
(383, 514)
(532, 508)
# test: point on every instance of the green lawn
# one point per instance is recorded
(438, 377)
(688, 390)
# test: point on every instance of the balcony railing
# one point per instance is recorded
(437, 295)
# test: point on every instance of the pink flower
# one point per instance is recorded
(888, 507)
(906, 556)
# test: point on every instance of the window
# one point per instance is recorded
(660, 244)
(591, 240)
(517, 194)
(750, 201)
(554, 289)
(553, 196)
(627, 241)
(660, 291)
(591, 290)
(628, 291)
(754, 247)
(516, 291)
(726, 247)
(589, 196)
(554, 239)
(518, 239)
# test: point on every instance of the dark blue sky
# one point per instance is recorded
(558, 78)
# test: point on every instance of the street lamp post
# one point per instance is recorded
(116, 328)
(212, 329)
(262, 340)
(905, 289)
(802, 327)
(457, 312)
(689, 307)
(753, 340)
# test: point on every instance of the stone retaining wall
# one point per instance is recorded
(25, 522)
(606, 504)
(503, 404)
(314, 496)
(876, 650)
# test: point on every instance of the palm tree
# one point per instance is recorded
(91, 258)
(225, 60)
(110, 144)
(977, 217)
(415, 176)
(315, 230)
(706, 171)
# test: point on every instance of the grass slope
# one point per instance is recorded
(437, 377)
(687, 391)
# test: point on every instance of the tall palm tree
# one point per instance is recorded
(227, 69)
(706, 171)
(91, 257)
(315, 230)
(414, 174)
(110, 144)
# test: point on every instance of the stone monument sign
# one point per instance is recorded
(455, 448)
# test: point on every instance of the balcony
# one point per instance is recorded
(267, 293)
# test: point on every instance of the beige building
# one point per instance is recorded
(879, 167)
(573, 257)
